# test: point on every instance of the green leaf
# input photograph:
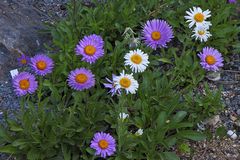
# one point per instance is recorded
(16, 128)
(33, 154)
(161, 120)
(184, 148)
(19, 142)
(170, 141)
(170, 156)
(4, 135)
(8, 149)
(193, 135)
(221, 132)
(90, 150)
(179, 116)
(165, 60)
(66, 152)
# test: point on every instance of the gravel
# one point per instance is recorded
(216, 149)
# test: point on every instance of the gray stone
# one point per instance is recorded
(238, 112)
(19, 29)
(20, 23)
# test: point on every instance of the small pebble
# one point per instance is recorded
(238, 112)
(237, 123)
(214, 120)
(14, 72)
(231, 134)
(233, 118)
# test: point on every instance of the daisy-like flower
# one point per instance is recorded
(42, 64)
(157, 33)
(80, 79)
(127, 82)
(24, 83)
(91, 48)
(23, 60)
(201, 32)
(139, 132)
(123, 116)
(232, 1)
(112, 86)
(137, 60)
(211, 59)
(198, 17)
(104, 144)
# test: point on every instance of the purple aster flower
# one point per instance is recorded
(42, 64)
(156, 33)
(23, 60)
(91, 48)
(211, 59)
(80, 79)
(104, 144)
(24, 83)
(111, 85)
(232, 1)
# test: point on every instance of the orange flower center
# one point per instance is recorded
(24, 84)
(24, 61)
(125, 82)
(199, 17)
(81, 78)
(137, 59)
(90, 50)
(156, 35)
(201, 32)
(41, 65)
(210, 60)
(103, 144)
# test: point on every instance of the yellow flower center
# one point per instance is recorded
(90, 50)
(137, 59)
(156, 35)
(24, 84)
(24, 61)
(81, 78)
(125, 82)
(103, 144)
(41, 65)
(199, 17)
(201, 32)
(210, 60)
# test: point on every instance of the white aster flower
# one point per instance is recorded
(123, 115)
(198, 17)
(127, 82)
(139, 132)
(137, 60)
(201, 33)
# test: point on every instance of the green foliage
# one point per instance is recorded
(184, 148)
(221, 131)
(59, 123)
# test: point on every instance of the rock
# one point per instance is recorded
(7, 61)
(213, 76)
(19, 26)
(213, 121)
(20, 23)
(233, 118)
(238, 112)
(237, 123)
(232, 134)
